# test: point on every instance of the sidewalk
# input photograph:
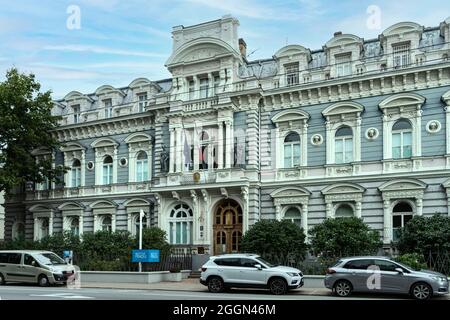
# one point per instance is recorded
(192, 285)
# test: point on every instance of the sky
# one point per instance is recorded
(83, 44)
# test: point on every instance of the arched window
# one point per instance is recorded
(401, 139)
(107, 223)
(75, 226)
(141, 167)
(343, 145)
(292, 150)
(76, 173)
(107, 170)
(180, 224)
(135, 230)
(294, 215)
(18, 231)
(344, 210)
(203, 150)
(401, 214)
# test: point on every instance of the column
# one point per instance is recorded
(220, 146)
(36, 228)
(305, 220)
(278, 148)
(95, 222)
(129, 222)
(172, 150)
(357, 146)
(358, 209)
(196, 87)
(329, 209)
(387, 222)
(113, 222)
(418, 133)
(278, 212)
(98, 168)
(329, 143)
(419, 206)
(386, 139)
(179, 150)
(131, 164)
(196, 151)
(447, 126)
(83, 168)
(229, 144)
(81, 223)
(115, 160)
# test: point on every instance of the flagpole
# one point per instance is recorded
(141, 213)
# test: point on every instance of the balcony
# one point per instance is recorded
(201, 104)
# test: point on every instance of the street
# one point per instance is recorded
(26, 292)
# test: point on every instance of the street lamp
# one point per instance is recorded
(141, 215)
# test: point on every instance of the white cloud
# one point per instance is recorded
(102, 50)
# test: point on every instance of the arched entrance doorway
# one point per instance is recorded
(227, 227)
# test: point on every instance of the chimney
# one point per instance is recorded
(337, 33)
(243, 48)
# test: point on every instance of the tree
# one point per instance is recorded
(26, 123)
(154, 238)
(339, 237)
(425, 234)
(274, 239)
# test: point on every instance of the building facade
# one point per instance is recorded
(357, 128)
(2, 217)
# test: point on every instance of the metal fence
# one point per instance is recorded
(170, 262)
(439, 261)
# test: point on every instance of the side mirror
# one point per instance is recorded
(33, 263)
(399, 270)
(258, 266)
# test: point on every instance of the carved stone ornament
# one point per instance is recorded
(372, 133)
(316, 139)
(433, 126)
(90, 165)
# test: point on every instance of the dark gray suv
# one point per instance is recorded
(380, 274)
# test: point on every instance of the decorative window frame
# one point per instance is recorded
(169, 220)
(446, 186)
(101, 208)
(286, 197)
(71, 152)
(132, 208)
(346, 113)
(339, 193)
(350, 204)
(138, 142)
(39, 212)
(105, 147)
(291, 121)
(446, 99)
(394, 191)
(70, 210)
(407, 106)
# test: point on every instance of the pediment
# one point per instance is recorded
(343, 108)
(446, 97)
(402, 100)
(290, 192)
(70, 206)
(402, 27)
(202, 53)
(343, 188)
(290, 115)
(343, 40)
(403, 184)
(291, 50)
(136, 203)
(103, 204)
(103, 142)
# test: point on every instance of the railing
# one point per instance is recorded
(201, 104)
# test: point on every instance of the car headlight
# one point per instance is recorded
(439, 279)
(293, 274)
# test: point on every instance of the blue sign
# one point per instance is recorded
(145, 256)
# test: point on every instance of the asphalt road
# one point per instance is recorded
(26, 292)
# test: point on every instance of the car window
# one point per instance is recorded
(3, 258)
(360, 264)
(248, 263)
(229, 262)
(28, 260)
(385, 265)
(14, 258)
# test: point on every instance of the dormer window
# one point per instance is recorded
(291, 73)
(76, 113)
(343, 65)
(204, 88)
(142, 98)
(108, 108)
(401, 55)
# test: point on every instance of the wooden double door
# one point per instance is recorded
(227, 227)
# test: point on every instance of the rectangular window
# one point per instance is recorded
(107, 174)
(76, 178)
(141, 170)
(216, 84)
(204, 88)
(108, 108)
(291, 74)
(401, 55)
(343, 65)
(76, 113)
(288, 156)
(142, 98)
(191, 89)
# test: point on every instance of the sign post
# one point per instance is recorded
(141, 215)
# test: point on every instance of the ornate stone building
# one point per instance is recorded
(356, 128)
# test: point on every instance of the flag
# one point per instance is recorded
(187, 152)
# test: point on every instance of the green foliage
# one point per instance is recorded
(26, 123)
(339, 237)
(413, 260)
(272, 238)
(100, 251)
(425, 234)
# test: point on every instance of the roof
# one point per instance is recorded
(365, 257)
(236, 255)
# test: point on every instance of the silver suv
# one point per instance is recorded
(248, 271)
(380, 274)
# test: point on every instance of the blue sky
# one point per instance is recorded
(121, 40)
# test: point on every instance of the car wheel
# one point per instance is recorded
(343, 288)
(421, 291)
(43, 281)
(2, 279)
(278, 286)
(215, 285)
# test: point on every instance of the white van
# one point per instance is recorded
(32, 266)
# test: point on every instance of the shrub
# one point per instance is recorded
(272, 238)
(413, 260)
(425, 234)
(339, 237)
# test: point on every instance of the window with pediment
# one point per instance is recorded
(291, 150)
